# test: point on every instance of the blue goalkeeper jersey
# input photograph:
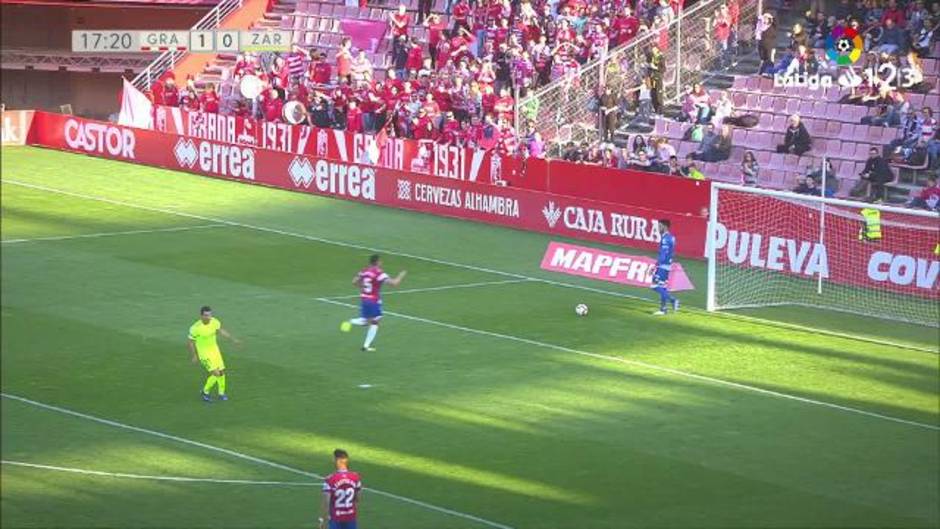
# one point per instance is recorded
(667, 247)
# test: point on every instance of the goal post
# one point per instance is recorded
(768, 248)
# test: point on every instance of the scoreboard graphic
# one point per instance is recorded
(221, 41)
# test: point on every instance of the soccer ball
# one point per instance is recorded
(581, 309)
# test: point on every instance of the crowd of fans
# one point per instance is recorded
(458, 86)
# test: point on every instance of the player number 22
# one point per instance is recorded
(344, 498)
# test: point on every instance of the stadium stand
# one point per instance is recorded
(556, 66)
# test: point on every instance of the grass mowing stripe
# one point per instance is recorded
(436, 289)
(740, 317)
(112, 234)
(158, 478)
(248, 457)
(646, 365)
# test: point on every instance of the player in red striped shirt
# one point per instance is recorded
(341, 495)
(370, 281)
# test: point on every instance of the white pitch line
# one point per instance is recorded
(158, 478)
(653, 367)
(247, 457)
(435, 289)
(623, 295)
(112, 234)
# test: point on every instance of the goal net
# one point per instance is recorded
(771, 248)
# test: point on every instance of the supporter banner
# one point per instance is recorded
(598, 221)
(16, 124)
(365, 34)
(401, 154)
(608, 266)
(903, 261)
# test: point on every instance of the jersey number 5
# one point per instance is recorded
(366, 285)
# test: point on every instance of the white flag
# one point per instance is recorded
(136, 109)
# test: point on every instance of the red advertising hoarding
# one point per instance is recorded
(579, 218)
(619, 186)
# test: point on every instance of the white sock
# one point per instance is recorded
(370, 334)
(358, 321)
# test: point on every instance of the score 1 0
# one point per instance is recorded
(237, 41)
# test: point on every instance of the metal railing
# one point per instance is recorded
(168, 59)
(564, 110)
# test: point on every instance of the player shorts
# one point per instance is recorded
(660, 278)
(212, 361)
(370, 310)
(342, 525)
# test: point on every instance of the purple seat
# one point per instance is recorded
(765, 121)
(765, 103)
(780, 123)
(861, 151)
(806, 108)
(833, 129)
(876, 134)
(833, 148)
(819, 109)
(763, 157)
(793, 106)
(779, 105)
(776, 160)
(848, 150)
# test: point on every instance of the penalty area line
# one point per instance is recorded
(158, 478)
(247, 457)
(653, 367)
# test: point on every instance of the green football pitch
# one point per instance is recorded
(488, 402)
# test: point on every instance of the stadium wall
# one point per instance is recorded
(592, 220)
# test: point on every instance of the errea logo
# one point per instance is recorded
(552, 213)
(301, 172)
(185, 152)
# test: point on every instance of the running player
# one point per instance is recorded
(667, 247)
(370, 281)
(341, 493)
(205, 349)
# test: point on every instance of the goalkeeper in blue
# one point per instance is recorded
(667, 248)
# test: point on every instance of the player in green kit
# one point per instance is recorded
(205, 349)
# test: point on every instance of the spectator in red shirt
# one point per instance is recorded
(354, 118)
(171, 94)
(344, 58)
(320, 71)
(435, 34)
(504, 106)
(450, 129)
(461, 16)
(272, 105)
(894, 13)
(929, 197)
(399, 21)
(209, 100)
(415, 57)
